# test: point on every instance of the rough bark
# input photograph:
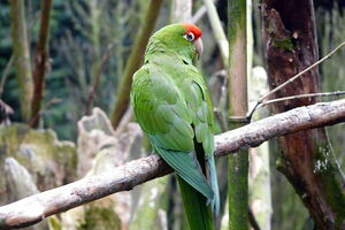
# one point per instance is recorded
(33, 209)
(308, 161)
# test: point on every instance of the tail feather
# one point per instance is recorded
(196, 192)
(212, 175)
(188, 170)
(199, 215)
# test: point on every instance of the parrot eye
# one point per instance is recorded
(189, 36)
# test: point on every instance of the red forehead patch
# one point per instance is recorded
(194, 29)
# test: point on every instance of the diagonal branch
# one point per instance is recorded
(33, 209)
(293, 78)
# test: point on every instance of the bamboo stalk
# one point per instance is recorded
(237, 89)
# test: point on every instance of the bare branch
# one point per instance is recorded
(92, 92)
(200, 13)
(41, 62)
(5, 74)
(303, 72)
(325, 94)
(219, 33)
(35, 208)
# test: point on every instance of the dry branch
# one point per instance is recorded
(41, 63)
(33, 209)
(261, 101)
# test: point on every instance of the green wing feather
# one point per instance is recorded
(172, 106)
(186, 167)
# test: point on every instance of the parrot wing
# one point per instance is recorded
(187, 168)
(162, 111)
(202, 122)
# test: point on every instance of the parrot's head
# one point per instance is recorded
(184, 39)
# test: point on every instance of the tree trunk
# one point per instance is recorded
(307, 158)
(22, 57)
(41, 63)
(134, 61)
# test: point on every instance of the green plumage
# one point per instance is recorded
(172, 105)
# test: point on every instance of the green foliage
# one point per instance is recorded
(100, 218)
(54, 223)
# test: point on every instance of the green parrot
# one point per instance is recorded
(172, 105)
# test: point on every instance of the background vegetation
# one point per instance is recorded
(89, 45)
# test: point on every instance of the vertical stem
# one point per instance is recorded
(98, 60)
(41, 62)
(181, 11)
(238, 163)
(134, 61)
(21, 57)
(218, 31)
(260, 197)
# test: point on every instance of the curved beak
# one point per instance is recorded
(199, 46)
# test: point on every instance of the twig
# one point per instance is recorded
(261, 100)
(5, 74)
(200, 13)
(5, 112)
(219, 109)
(35, 208)
(239, 119)
(45, 107)
(326, 94)
(252, 219)
(218, 31)
(95, 85)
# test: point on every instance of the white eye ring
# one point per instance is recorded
(189, 36)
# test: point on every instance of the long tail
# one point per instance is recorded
(198, 213)
(198, 196)
(212, 175)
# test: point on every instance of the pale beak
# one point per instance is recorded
(199, 46)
